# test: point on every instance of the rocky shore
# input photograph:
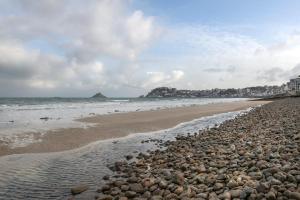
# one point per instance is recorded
(255, 156)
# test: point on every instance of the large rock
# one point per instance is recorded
(79, 189)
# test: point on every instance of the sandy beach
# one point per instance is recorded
(122, 124)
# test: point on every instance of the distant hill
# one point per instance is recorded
(99, 95)
(249, 92)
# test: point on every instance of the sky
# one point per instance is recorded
(125, 48)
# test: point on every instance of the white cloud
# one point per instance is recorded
(87, 41)
(47, 71)
(156, 79)
(218, 57)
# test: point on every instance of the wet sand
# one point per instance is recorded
(122, 124)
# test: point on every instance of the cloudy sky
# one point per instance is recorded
(127, 47)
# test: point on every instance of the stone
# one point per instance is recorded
(201, 168)
(163, 184)
(202, 195)
(210, 180)
(291, 178)
(156, 197)
(262, 187)
(270, 196)
(184, 167)
(79, 189)
(148, 182)
(105, 188)
(259, 150)
(221, 177)
(232, 147)
(235, 193)
(280, 176)
(132, 179)
(246, 192)
(232, 184)
(171, 196)
(213, 196)
(136, 187)
(256, 175)
(124, 187)
(274, 155)
(130, 194)
(200, 178)
(275, 182)
(118, 183)
(226, 195)
(128, 157)
(253, 196)
(104, 197)
(178, 190)
(218, 186)
(178, 178)
(166, 173)
(147, 194)
(294, 195)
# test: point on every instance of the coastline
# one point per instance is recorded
(254, 156)
(122, 124)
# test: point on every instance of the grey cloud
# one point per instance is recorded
(273, 74)
(278, 74)
(91, 37)
(15, 72)
(295, 70)
(229, 69)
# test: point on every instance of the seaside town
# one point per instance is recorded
(290, 88)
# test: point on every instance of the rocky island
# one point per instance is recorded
(99, 95)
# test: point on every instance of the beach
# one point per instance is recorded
(118, 125)
(254, 156)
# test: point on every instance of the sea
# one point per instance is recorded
(51, 175)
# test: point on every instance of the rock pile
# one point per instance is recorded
(255, 156)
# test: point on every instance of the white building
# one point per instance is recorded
(294, 85)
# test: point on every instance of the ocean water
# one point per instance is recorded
(38, 115)
(51, 175)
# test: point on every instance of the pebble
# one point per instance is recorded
(254, 156)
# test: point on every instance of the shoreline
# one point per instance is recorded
(119, 125)
(254, 156)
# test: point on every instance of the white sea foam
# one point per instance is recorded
(36, 116)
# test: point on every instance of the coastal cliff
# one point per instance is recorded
(249, 92)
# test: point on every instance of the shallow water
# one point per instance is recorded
(51, 175)
(23, 115)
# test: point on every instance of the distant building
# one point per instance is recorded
(294, 85)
